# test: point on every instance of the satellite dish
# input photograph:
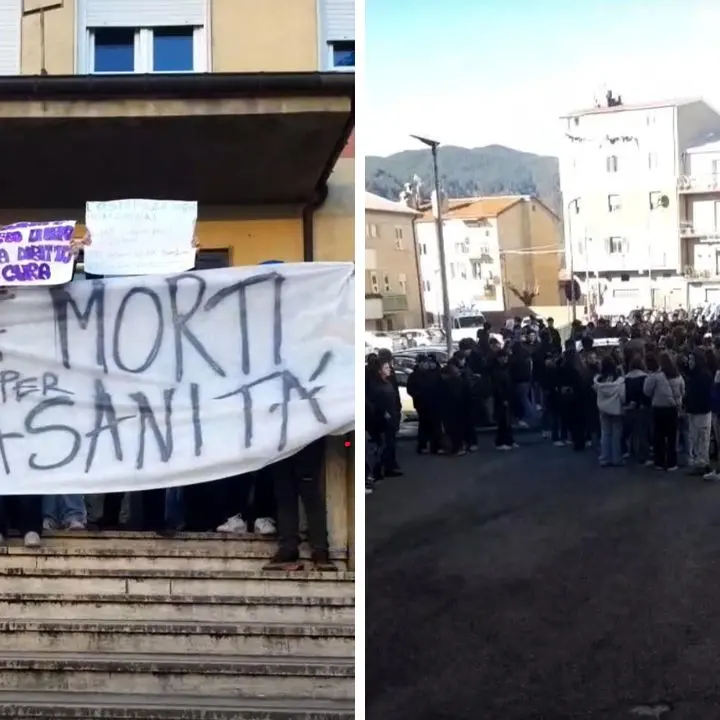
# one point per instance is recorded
(663, 201)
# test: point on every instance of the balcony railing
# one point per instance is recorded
(704, 183)
(697, 275)
(689, 230)
(394, 303)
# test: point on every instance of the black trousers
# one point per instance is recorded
(578, 421)
(22, 513)
(504, 434)
(151, 504)
(665, 431)
(250, 495)
(429, 430)
(299, 479)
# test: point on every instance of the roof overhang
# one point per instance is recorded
(220, 139)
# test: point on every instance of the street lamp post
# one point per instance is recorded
(572, 203)
(447, 320)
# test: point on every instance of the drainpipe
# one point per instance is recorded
(308, 223)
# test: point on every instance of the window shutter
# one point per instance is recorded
(144, 13)
(10, 23)
(338, 19)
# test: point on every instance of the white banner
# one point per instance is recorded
(140, 237)
(36, 253)
(135, 383)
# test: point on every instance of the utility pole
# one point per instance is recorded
(572, 258)
(447, 319)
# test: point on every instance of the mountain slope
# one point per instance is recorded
(467, 172)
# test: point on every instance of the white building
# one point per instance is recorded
(699, 192)
(489, 243)
(619, 173)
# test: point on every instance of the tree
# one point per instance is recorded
(525, 295)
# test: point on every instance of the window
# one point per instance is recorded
(614, 204)
(402, 281)
(426, 285)
(652, 161)
(372, 230)
(452, 271)
(342, 55)
(476, 269)
(398, 238)
(386, 282)
(650, 119)
(114, 50)
(616, 245)
(146, 50)
(423, 249)
(173, 50)
(374, 283)
(654, 198)
(716, 169)
(462, 269)
(611, 164)
(487, 233)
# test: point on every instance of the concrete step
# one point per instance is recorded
(149, 543)
(236, 676)
(106, 706)
(175, 608)
(148, 551)
(208, 638)
(177, 582)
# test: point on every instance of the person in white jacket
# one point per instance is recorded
(610, 388)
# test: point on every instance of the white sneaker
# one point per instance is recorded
(523, 424)
(473, 448)
(235, 524)
(76, 525)
(649, 463)
(265, 526)
(559, 443)
(49, 524)
(712, 475)
(504, 447)
(32, 539)
(673, 468)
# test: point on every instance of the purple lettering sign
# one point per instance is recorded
(36, 253)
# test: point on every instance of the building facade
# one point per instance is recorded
(625, 219)
(496, 249)
(392, 278)
(245, 107)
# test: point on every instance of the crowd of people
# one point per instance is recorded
(643, 389)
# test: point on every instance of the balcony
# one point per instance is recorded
(373, 307)
(698, 275)
(394, 304)
(689, 230)
(698, 184)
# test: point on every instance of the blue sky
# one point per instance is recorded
(476, 72)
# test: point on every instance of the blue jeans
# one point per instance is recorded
(611, 431)
(64, 509)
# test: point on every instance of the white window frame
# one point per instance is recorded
(611, 163)
(373, 230)
(386, 283)
(621, 245)
(614, 203)
(374, 286)
(331, 66)
(402, 281)
(144, 51)
(653, 160)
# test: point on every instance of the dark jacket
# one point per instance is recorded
(381, 411)
(520, 365)
(634, 393)
(425, 390)
(698, 391)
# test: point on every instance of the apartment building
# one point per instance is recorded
(497, 251)
(392, 278)
(626, 220)
(245, 107)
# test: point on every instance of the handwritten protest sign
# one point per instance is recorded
(140, 237)
(36, 253)
(134, 383)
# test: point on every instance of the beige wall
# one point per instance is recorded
(521, 227)
(335, 219)
(395, 262)
(246, 36)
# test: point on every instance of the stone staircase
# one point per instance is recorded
(132, 626)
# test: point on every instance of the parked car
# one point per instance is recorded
(378, 340)
(416, 338)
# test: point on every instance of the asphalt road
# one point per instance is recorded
(534, 584)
